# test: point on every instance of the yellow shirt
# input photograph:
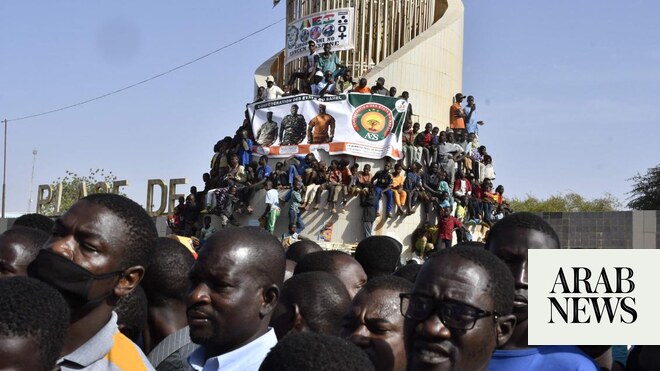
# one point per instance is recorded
(397, 181)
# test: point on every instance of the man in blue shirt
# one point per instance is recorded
(235, 287)
(302, 166)
(471, 123)
(263, 172)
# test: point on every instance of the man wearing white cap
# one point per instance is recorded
(272, 91)
(316, 83)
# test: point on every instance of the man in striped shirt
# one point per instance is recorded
(166, 286)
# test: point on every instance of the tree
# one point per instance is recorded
(645, 194)
(72, 186)
(570, 202)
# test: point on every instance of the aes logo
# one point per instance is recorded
(593, 296)
(579, 296)
(372, 121)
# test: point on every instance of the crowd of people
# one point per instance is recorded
(447, 171)
(101, 291)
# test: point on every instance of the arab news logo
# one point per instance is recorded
(373, 121)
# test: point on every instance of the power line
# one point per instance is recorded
(150, 78)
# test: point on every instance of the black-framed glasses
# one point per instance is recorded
(453, 314)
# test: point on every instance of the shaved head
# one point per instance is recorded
(299, 249)
(254, 247)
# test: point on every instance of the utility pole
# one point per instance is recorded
(34, 161)
(4, 174)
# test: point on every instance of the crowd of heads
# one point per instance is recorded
(265, 306)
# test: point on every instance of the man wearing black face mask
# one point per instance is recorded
(97, 254)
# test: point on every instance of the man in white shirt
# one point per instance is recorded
(317, 79)
(272, 211)
(272, 91)
(235, 286)
(312, 61)
(326, 86)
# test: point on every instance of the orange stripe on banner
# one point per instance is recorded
(337, 147)
(303, 149)
(124, 354)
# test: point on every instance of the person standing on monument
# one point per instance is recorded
(272, 91)
(457, 114)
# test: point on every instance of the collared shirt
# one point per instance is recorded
(446, 226)
(323, 83)
(328, 63)
(444, 151)
(172, 352)
(318, 88)
(107, 350)
(246, 358)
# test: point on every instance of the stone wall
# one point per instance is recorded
(607, 230)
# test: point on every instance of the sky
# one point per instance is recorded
(568, 89)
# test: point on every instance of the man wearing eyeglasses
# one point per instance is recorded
(510, 239)
(459, 310)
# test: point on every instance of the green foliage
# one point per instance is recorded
(71, 186)
(645, 194)
(570, 202)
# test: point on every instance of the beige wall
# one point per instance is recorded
(430, 67)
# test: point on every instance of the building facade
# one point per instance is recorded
(415, 45)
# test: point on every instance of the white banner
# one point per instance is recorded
(362, 125)
(332, 26)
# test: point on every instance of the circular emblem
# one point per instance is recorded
(401, 105)
(291, 36)
(304, 35)
(372, 121)
(328, 30)
(315, 33)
